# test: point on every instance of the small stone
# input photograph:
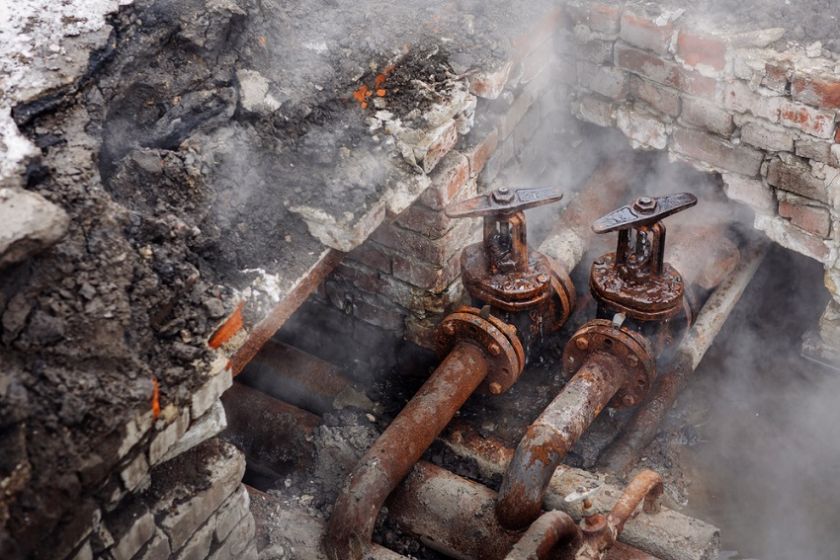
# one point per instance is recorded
(814, 49)
(29, 223)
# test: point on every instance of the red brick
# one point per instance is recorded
(699, 50)
(717, 152)
(418, 246)
(425, 275)
(776, 76)
(479, 154)
(644, 33)
(609, 81)
(664, 72)
(604, 18)
(813, 121)
(490, 84)
(738, 96)
(372, 255)
(813, 219)
(796, 178)
(821, 92)
(447, 180)
(440, 147)
(811, 148)
(433, 224)
(663, 99)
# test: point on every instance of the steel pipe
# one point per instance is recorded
(622, 454)
(668, 534)
(550, 530)
(399, 447)
(552, 435)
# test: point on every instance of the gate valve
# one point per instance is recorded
(635, 280)
(522, 286)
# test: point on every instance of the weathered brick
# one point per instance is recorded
(447, 181)
(813, 121)
(444, 142)
(606, 80)
(777, 76)
(489, 84)
(767, 136)
(372, 254)
(796, 177)
(644, 130)
(810, 217)
(596, 51)
(811, 148)
(717, 152)
(738, 96)
(663, 99)
(643, 32)
(604, 18)
(425, 275)
(421, 330)
(704, 114)
(702, 52)
(545, 26)
(664, 72)
(416, 245)
(752, 192)
(478, 154)
(369, 308)
(785, 234)
(820, 91)
(594, 110)
(132, 526)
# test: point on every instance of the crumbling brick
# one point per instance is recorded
(489, 84)
(644, 130)
(663, 99)
(767, 136)
(604, 17)
(701, 113)
(641, 31)
(811, 148)
(717, 152)
(594, 110)
(701, 51)
(752, 192)
(812, 218)
(447, 181)
(606, 80)
(664, 72)
(807, 119)
(819, 91)
(796, 177)
(478, 154)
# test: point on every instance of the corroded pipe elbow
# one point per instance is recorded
(542, 537)
(552, 435)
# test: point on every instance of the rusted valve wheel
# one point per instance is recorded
(504, 352)
(631, 348)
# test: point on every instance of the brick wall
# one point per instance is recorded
(176, 494)
(726, 103)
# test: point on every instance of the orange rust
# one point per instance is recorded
(155, 398)
(381, 92)
(229, 328)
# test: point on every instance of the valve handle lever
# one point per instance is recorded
(504, 200)
(644, 211)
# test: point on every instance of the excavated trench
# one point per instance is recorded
(180, 179)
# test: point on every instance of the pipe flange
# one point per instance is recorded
(498, 340)
(631, 348)
(564, 291)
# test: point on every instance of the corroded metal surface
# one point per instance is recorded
(632, 350)
(600, 531)
(550, 531)
(620, 456)
(551, 436)
(479, 347)
(522, 286)
(635, 279)
(402, 444)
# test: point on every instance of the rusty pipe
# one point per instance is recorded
(399, 447)
(600, 532)
(549, 530)
(622, 453)
(455, 516)
(552, 435)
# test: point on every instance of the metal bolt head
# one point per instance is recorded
(494, 349)
(503, 194)
(495, 388)
(581, 343)
(645, 204)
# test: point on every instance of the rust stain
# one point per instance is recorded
(155, 398)
(229, 328)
